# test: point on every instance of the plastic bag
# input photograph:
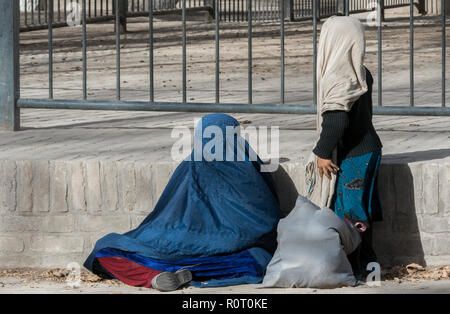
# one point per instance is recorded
(313, 245)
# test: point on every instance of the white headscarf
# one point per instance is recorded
(341, 75)
(341, 80)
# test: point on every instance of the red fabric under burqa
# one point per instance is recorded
(129, 272)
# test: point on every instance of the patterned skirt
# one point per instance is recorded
(356, 200)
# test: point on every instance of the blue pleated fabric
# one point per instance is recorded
(217, 202)
(247, 266)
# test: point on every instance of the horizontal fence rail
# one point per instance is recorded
(9, 19)
(212, 107)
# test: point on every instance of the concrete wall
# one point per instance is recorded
(52, 212)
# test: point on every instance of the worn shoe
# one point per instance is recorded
(168, 281)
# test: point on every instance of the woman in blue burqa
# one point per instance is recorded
(214, 224)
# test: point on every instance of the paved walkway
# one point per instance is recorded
(14, 285)
(146, 136)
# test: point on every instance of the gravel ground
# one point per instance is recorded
(233, 61)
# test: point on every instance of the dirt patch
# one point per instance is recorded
(415, 272)
(55, 275)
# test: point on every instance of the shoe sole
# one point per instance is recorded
(168, 281)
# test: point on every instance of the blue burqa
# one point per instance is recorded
(217, 215)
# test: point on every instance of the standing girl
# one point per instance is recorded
(348, 150)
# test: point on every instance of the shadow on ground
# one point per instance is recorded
(425, 155)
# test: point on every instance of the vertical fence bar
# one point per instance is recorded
(411, 53)
(318, 8)
(26, 13)
(239, 11)
(59, 10)
(32, 11)
(9, 65)
(291, 10)
(123, 14)
(117, 49)
(264, 11)
(217, 17)
(225, 10)
(250, 53)
(282, 51)
(39, 12)
(314, 15)
(84, 47)
(150, 22)
(347, 7)
(258, 9)
(46, 11)
(444, 46)
(380, 64)
(183, 18)
(50, 49)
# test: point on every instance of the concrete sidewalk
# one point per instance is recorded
(13, 286)
(146, 136)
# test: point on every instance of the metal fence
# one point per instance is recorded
(35, 13)
(11, 103)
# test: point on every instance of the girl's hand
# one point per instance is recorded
(326, 167)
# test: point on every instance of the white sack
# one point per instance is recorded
(313, 245)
